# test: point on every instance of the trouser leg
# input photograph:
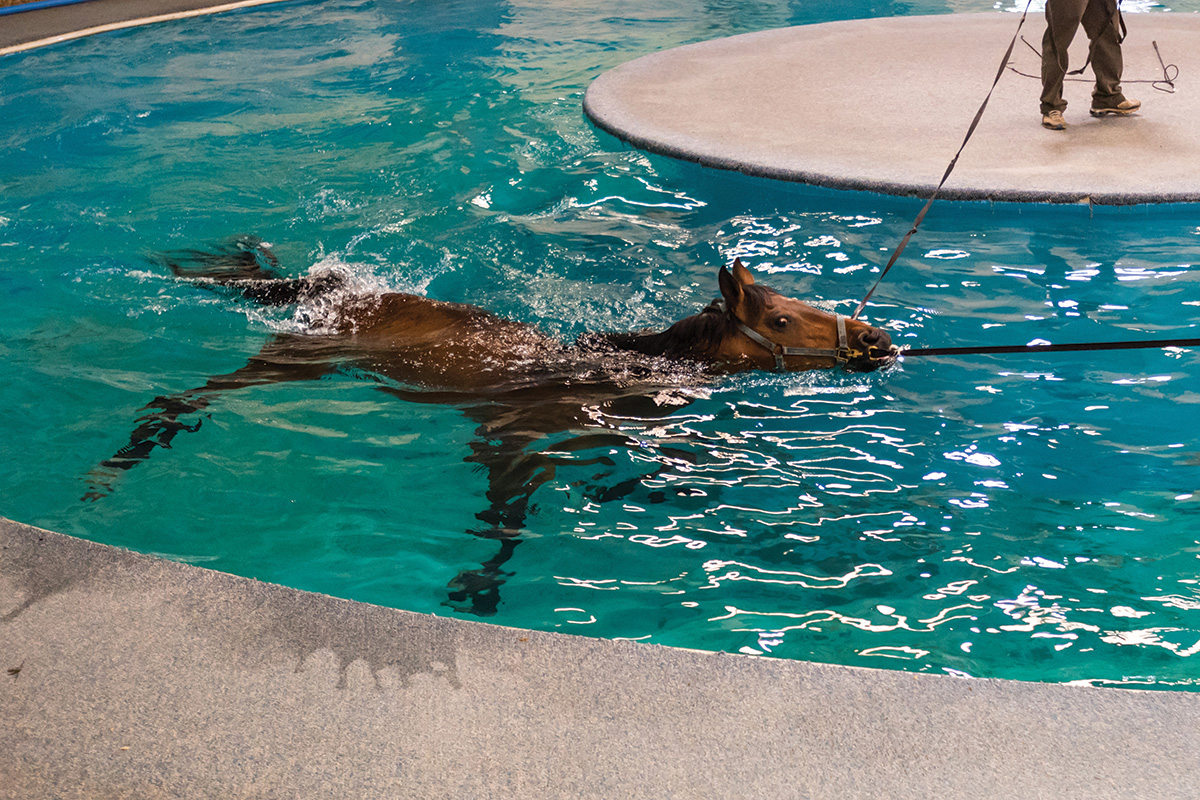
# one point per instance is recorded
(1062, 20)
(1102, 25)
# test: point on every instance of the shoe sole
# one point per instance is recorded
(1052, 127)
(1105, 112)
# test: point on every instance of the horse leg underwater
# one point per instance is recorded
(513, 473)
(247, 266)
(506, 447)
(163, 417)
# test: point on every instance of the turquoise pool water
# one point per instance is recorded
(1033, 518)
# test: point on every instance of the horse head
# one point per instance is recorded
(767, 330)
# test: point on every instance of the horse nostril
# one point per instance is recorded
(873, 336)
(875, 339)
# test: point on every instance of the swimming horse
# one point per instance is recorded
(516, 383)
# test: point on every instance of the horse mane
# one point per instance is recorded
(698, 336)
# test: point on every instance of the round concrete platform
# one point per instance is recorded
(883, 104)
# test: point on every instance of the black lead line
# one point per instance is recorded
(1033, 349)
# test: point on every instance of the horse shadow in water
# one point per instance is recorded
(516, 384)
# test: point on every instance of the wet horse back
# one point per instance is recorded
(433, 343)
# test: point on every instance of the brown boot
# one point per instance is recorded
(1053, 120)
(1123, 108)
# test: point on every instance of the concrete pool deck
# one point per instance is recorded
(128, 676)
(883, 104)
(45, 25)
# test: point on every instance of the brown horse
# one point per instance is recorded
(518, 384)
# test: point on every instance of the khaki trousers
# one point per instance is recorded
(1101, 23)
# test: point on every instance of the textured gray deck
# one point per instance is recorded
(142, 678)
(42, 26)
(883, 104)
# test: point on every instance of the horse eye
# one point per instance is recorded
(780, 323)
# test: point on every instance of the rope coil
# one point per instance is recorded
(1164, 84)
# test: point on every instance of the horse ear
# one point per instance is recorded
(744, 276)
(731, 284)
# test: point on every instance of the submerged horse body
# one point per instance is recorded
(515, 382)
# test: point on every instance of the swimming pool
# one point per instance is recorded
(987, 516)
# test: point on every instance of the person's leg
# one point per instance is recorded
(1101, 23)
(1062, 20)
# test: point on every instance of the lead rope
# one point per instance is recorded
(950, 168)
(1069, 347)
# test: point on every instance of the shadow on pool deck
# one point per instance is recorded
(129, 676)
(145, 678)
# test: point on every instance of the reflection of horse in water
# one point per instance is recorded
(516, 383)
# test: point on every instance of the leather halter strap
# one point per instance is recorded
(840, 354)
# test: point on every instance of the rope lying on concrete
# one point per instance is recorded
(1164, 84)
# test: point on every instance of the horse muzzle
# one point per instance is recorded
(872, 348)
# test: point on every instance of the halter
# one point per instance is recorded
(840, 354)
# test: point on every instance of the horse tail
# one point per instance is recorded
(246, 265)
